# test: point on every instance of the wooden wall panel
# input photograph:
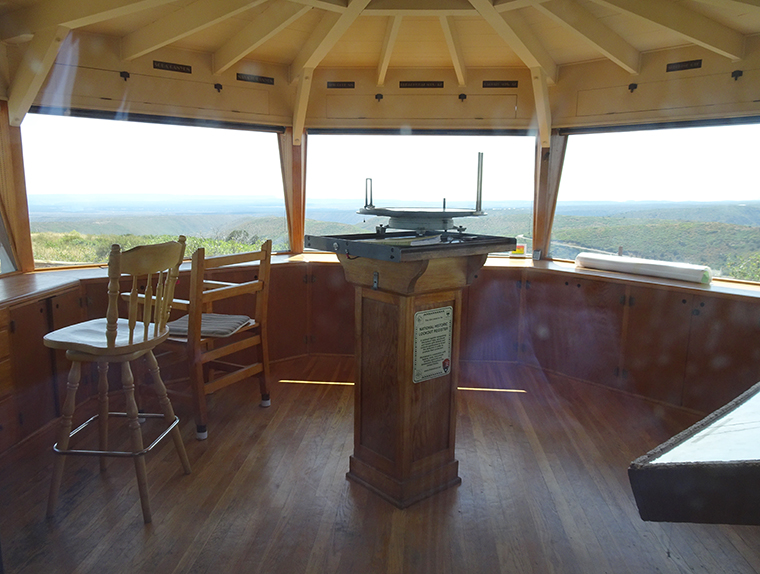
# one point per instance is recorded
(656, 343)
(574, 326)
(32, 365)
(331, 310)
(490, 329)
(287, 314)
(724, 351)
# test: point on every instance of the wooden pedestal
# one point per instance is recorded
(404, 431)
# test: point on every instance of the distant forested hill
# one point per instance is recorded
(725, 236)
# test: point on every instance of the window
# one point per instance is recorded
(685, 195)
(95, 182)
(419, 171)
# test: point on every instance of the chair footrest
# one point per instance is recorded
(117, 453)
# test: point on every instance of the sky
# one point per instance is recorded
(65, 154)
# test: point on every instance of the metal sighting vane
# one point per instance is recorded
(423, 220)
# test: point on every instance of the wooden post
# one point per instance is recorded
(293, 164)
(549, 161)
(13, 204)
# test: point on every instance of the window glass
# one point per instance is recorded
(419, 171)
(683, 195)
(95, 182)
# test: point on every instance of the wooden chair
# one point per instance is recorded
(206, 339)
(116, 340)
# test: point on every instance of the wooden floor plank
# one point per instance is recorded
(544, 489)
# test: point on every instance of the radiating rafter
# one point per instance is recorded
(391, 33)
(279, 15)
(68, 13)
(455, 48)
(329, 5)
(694, 26)
(302, 104)
(36, 63)
(329, 30)
(609, 43)
(543, 109)
(177, 25)
(511, 27)
(732, 3)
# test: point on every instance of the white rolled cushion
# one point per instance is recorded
(652, 267)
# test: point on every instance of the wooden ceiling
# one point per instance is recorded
(382, 35)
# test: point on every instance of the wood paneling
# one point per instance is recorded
(378, 405)
(32, 365)
(574, 326)
(490, 328)
(9, 423)
(288, 311)
(66, 309)
(331, 310)
(724, 351)
(656, 343)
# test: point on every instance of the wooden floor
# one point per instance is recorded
(544, 489)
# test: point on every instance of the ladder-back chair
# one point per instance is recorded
(222, 349)
(122, 340)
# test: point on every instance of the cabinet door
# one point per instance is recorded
(287, 315)
(490, 323)
(574, 326)
(67, 309)
(724, 351)
(8, 423)
(656, 343)
(32, 366)
(331, 310)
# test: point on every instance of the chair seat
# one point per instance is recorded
(212, 325)
(90, 337)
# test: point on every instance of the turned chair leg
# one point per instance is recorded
(136, 436)
(64, 433)
(103, 411)
(168, 410)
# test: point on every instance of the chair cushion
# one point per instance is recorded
(212, 325)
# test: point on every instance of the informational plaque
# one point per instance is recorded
(432, 343)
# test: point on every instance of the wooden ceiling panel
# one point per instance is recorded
(420, 43)
(563, 44)
(360, 46)
(741, 17)
(285, 46)
(482, 46)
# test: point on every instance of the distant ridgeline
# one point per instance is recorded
(723, 235)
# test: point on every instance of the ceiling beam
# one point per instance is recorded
(543, 108)
(278, 16)
(330, 5)
(72, 14)
(177, 25)
(391, 33)
(610, 44)
(455, 49)
(511, 27)
(733, 3)
(694, 26)
(323, 38)
(420, 8)
(302, 104)
(506, 5)
(36, 63)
